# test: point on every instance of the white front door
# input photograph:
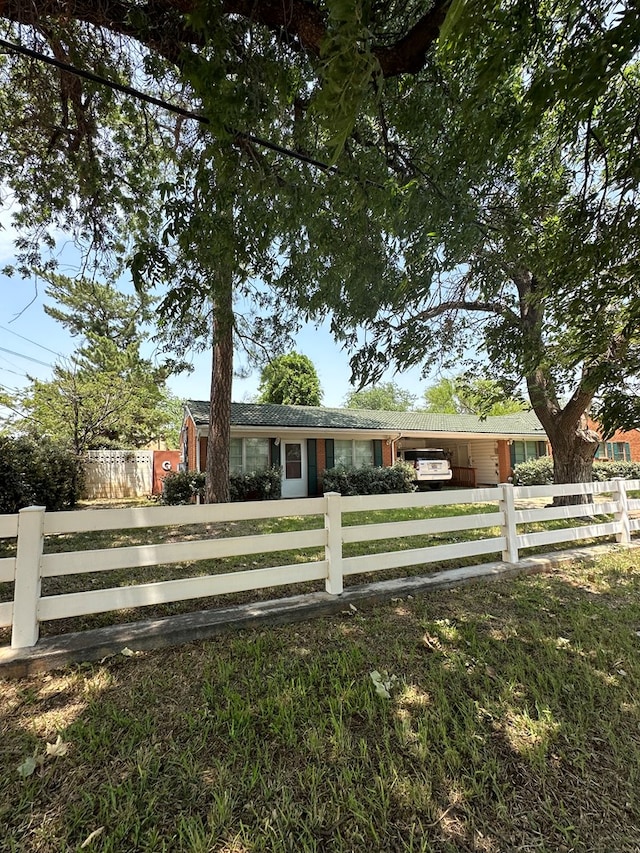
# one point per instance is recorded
(294, 468)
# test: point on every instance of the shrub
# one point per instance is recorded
(536, 472)
(256, 486)
(41, 473)
(609, 470)
(369, 481)
(181, 487)
(539, 472)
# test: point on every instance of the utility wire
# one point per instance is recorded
(159, 102)
(29, 341)
(28, 357)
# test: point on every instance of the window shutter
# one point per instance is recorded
(312, 467)
(377, 453)
(329, 452)
(275, 451)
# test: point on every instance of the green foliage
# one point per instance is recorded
(257, 485)
(609, 470)
(369, 481)
(536, 472)
(290, 380)
(107, 394)
(41, 473)
(386, 396)
(472, 396)
(182, 487)
(539, 472)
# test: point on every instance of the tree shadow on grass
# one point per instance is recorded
(513, 725)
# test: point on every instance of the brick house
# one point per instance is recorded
(306, 440)
(621, 447)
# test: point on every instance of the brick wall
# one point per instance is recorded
(191, 445)
(632, 438)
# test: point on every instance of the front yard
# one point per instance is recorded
(512, 724)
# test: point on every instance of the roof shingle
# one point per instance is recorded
(318, 417)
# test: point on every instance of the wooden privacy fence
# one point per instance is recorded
(32, 524)
(118, 473)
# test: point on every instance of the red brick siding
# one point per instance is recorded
(386, 454)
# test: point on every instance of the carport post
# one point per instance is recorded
(333, 549)
(27, 581)
(509, 531)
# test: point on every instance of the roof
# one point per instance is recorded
(318, 417)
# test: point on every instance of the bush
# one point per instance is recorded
(539, 472)
(38, 473)
(181, 487)
(536, 472)
(256, 486)
(369, 480)
(609, 470)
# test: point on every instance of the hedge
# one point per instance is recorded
(257, 485)
(182, 487)
(38, 473)
(370, 481)
(539, 472)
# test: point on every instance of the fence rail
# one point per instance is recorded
(32, 525)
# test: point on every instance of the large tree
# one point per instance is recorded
(515, 237)
(290, 379)
(471, 396)
(410, 132)
(107, 394)
(384, 395)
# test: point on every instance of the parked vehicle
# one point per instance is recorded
(431, 466)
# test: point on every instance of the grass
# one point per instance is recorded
(513, 725)
(149, 536)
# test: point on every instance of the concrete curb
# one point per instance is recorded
(59, 651)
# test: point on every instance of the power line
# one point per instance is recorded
(15, 372)
(28, 357)
(29, 341)
(159, 102)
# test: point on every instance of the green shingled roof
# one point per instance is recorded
(305, 417)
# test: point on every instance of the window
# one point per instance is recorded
(523, 451)
(614, 451)
(248, 454)
(293, 461)
(353, 453)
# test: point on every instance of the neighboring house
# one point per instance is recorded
(306, 440)
(621, 447)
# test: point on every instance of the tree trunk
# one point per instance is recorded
(217, 468)
(573, 446)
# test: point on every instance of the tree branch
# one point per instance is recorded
(460, 305)
(161, 25)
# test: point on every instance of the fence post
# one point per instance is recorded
(333, 549)
(27, 582)
(622, 513)
(509, 531)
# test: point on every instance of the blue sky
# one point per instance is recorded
(30, 334)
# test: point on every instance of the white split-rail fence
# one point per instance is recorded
(32, 524)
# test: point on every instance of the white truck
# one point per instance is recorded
(431, 466)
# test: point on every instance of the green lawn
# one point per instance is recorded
(513, 724)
